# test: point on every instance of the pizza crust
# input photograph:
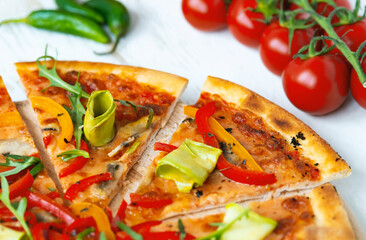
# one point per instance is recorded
(173, 84)
(330, 164)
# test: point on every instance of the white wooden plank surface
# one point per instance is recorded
(160, 38)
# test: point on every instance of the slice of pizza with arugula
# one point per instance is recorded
(234, 145)
(97, 118)
(304, 215)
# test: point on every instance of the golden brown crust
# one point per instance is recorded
(330, 164)
(330, 219)
(173, 84)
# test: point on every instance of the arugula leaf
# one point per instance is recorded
(74, 153)
(182, 232)
(55, 80)
(76, 113)
(19, 211)
(20, 165)
(135, 106)
(84, 233)
(134, 235)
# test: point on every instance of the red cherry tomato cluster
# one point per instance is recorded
(317, 85)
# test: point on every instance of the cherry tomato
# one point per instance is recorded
(356, 34)
(244, 24)
(323, 9)
(318, 85)
(205, 15)
(358, 91)
(274, 46)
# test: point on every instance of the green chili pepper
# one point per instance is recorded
(115, 15)
(99, 118)
(74, 7)
(65, 22)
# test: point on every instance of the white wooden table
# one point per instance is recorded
(160, 38)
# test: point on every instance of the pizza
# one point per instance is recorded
(290, 154)
(111, 160)
(231, 165)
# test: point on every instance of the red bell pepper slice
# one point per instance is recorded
(21, 186)
(168, 235)
(138, 200)
(229, 170)
(145, 227)
(39, 228)
(77, 164)
(158, 146)
(81, 185)
(120, 217)
(79, 225)
(54, 194)
(46, 140)
(144, 230)
(47, 204)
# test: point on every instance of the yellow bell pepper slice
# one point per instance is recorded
(57, 111)
(223, 136)
(10, 119)
(84, 209)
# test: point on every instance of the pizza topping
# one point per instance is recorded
(79, 186)
(81, 223)
(158, 146)
(10, 119)
(189, 165)
(121, 146)
(84, 209)
(8, 233)
(138, 200)
(99, 118)
(242, 223)
(229, 170)
(16, 164)
(55, 110)
(47, 204)
(223, 135)
(78, 163)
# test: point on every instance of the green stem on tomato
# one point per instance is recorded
(325, 23)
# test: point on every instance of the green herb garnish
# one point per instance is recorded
(135, 106)
(76, 113)
(84, 233)
(182, 232)
(74, 153)
(134, 235)
(56, 81)
(21, 165)
(19, 211)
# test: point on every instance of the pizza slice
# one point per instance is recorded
(98, 119)
(304, 215)
(265, 151)
(18, 154)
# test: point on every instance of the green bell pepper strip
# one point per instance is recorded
(66, 22)
(74, 7)
(189, 165)
(99, 118)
